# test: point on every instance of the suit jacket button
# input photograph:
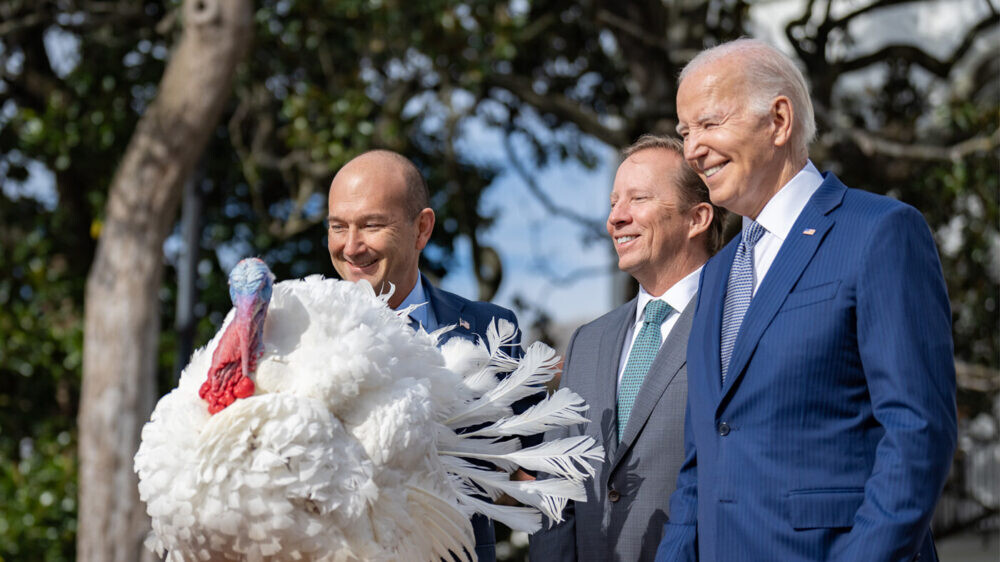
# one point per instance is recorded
(614, 495)
(723, 429)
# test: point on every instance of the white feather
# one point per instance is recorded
(518, 518)
(566, 457)
(562, 408)
(465, 356)
(549, 495)
(501, 334)
(536, 368)
(451, 444)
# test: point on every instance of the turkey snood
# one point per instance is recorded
(235, 359)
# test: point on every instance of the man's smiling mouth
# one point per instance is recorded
(714, 169)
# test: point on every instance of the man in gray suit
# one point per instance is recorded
(629, 364)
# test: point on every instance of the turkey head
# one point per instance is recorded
(235, 359)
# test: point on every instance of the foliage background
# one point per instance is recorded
(328, 79)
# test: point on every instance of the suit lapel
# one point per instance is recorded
(609, 356)
(448, 311)
(668, 362)
(796, 252)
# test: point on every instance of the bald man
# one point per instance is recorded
(379, 221)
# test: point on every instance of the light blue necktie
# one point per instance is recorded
(739, 291)
(644, 350)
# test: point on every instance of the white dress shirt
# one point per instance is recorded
(778, 216)
(677, 297)
(423, 314)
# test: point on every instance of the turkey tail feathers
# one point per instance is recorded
(562, 408)
(536, 368)
(490, 357)
(565, 458)
(569, 461)
(441, 525)
(548, 495)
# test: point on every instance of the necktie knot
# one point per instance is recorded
(656, 312)
(752, 232)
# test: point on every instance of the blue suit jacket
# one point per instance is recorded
(834, 432)
(471, 319)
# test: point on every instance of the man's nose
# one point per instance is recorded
(355, 243)
(618, 215)
(693, 148)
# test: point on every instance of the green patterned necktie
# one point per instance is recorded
(644, 350)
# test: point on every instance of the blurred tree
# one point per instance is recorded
(328, 79)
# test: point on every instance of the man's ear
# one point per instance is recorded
(425, 225)
(700, 218)
(782, 118)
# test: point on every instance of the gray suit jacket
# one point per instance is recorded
(627, 503)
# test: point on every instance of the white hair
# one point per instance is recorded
(767, 74)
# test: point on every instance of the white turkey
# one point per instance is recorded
(317, 425)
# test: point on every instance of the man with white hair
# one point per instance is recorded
(821, 384)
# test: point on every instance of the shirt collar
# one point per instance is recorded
(417, 296)
(781, 212)
(677, 296)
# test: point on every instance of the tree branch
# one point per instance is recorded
(559, 105)
(979, 378)
(871, 145)
(830, 24)
(938, 67)
(632, 30)
(567, 278)
(593, 227)
(26, 23)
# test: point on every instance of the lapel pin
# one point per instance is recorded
(809, 231)
(464, 324)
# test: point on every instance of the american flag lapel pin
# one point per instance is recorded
(463, 323)
(809, 231)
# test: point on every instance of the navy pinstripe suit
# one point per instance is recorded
(835, 429)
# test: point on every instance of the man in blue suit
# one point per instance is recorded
(379, 221)
(821, 384)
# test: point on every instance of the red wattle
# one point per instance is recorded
(226, 380)
(244, 388)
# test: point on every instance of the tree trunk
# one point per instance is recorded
(187, 271)
(122, 321)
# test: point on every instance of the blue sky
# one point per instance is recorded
(539, 250)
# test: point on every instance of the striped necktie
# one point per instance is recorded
(644, 350)
(739, 291)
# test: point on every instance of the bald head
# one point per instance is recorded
(379, 222)
(396, 171)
